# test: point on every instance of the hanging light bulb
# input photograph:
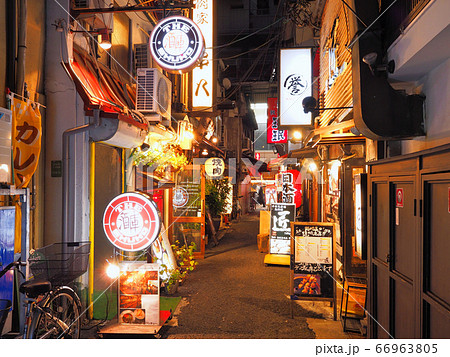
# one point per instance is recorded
(205, 152)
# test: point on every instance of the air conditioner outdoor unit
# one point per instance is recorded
(142, 56)
(153, 94)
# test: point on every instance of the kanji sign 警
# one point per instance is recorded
(131, 221)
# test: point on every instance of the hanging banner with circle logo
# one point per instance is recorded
(177, 44)
(131, 221)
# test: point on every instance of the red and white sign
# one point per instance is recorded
(273, 121)
(399, 197)
(131, 221)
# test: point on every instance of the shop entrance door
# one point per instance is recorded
(188, 214)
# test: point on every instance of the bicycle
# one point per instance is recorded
(53, 308)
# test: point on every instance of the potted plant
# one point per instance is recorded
(185, 256)
(171, 283)
(216, 192)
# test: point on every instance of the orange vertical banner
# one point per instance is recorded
(27, 133)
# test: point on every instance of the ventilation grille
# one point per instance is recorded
(141, 56)
(145, 101)
(81, 4)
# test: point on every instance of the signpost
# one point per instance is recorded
(312, 262)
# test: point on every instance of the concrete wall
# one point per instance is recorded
(436, 87)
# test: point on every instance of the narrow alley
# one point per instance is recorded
(232, 294)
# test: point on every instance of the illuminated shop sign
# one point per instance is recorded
(131, 221)
(176, 44)
(274, 135)
(202, 76)
(214, 167)
(295, 85)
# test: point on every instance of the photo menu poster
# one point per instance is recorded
(312, 259)
(139, 293)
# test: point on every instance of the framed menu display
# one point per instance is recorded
(139, 294)
(312, 261)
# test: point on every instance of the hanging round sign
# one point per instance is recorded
(177, 44)
(214, 167)
(131, 221)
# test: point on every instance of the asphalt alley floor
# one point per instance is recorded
(233, 295)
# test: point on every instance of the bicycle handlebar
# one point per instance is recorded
(10, 265)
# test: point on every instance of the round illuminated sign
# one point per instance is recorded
(131, 221)
(176, 44)
(180, 197)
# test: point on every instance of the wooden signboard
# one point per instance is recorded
(312, 262)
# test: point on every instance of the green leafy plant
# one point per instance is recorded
(173, 277)
(161, 156)
(216, 192)
(185, 255)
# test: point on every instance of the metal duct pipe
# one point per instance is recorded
(65, 168)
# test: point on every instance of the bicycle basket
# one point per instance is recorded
(60, 263)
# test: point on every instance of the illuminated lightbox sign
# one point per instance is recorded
(274, 135)
(202, 75)
(176, 44)
(131, 221)
(295, 84)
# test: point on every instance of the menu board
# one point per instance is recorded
(312, 259)
(139, 293)
(281, 214)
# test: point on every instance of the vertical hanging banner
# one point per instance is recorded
(274, 135)
(26, 137)
(202, 76)
(295, 85)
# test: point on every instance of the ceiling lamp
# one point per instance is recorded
(204, 152)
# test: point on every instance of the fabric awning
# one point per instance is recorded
(101, 89)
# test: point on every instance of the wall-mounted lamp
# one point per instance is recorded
(104, 37)
(378, 69)
(310, 104)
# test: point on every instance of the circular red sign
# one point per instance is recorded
(131, 221)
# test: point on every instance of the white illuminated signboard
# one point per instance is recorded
(202, 76)
(295, 84)
(176, 44)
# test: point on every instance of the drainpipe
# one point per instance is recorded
(65, 174)
(11, 31)
(22, 46)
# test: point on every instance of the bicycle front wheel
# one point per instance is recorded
(59, 317)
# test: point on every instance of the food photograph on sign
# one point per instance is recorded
(139, 294)
(307, 284)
